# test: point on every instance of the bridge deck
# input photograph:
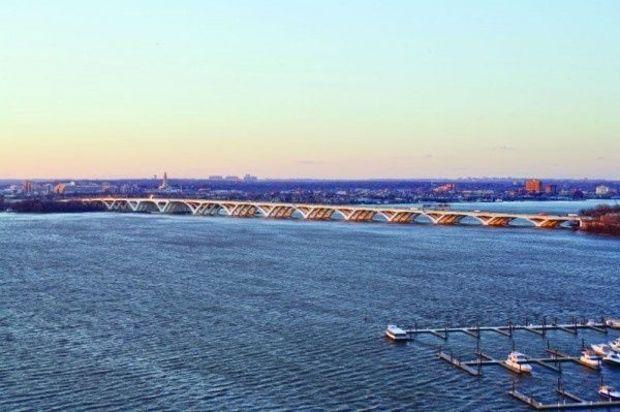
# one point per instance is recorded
(353, 213)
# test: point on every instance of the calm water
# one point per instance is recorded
(116, 312)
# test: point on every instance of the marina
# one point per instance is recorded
(518, 363)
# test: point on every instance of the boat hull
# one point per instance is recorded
(518, 368)
(396, 338)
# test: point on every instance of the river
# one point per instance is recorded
(123, 311)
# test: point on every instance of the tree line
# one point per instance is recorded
(605, 219)
(49, 206)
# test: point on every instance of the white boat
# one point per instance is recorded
(608, 392)
(613, 358)
(589, 358)
(613, 323)
(615, 345)
(396, 334)
(601, 349)
(517, 362)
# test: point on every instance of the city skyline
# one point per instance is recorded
(310, 90)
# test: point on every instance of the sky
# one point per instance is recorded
(321, 89)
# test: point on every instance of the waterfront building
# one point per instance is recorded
(533, 186)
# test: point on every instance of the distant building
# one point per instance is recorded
(601, 190)
(164, 183)
(59, 188)
(249, 178)
(448, 187)
(73, 188)
(216, 177)
(28, 186)
(551, 189)
(232, 178)
(533, 186)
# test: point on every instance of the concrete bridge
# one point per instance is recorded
(358, 213)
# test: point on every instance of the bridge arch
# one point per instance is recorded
(148, 206)
(179, 208)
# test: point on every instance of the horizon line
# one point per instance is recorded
(325, 179)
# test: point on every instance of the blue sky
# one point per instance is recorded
(348, 89)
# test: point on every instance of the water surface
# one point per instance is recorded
(118, 311)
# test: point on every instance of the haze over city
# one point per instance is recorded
(348, 89)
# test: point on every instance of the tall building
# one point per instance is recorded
(164, 183)
(28, 186)
(533, 186)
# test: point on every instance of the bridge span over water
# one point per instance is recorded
(351, 213)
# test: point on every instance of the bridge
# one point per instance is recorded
(303, 211)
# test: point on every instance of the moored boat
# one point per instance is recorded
(601, 349)
(613, 358)
(608, 392)
(615, 345)
(613, 323)
(589, 358)
(517, 362)
(396, 334)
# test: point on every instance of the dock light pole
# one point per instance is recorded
(510, 327)
(574, 325)
(560, 389)
(544, 325)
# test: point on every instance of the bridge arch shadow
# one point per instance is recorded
(470, 221)
(147, 207)
(297, 215)
(521, 222)
(379, 218)
(423, 219)
(179, 208)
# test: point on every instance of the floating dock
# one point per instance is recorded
(559, 355)
(508, 330)
(576, 402)
(473, 367)
(462, 365)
